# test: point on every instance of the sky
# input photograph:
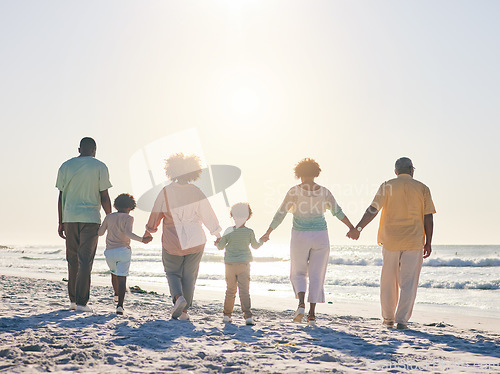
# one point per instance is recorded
(261, 85)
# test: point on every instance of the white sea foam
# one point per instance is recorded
(455, 275)
(438, 284)
(458, 262)
(355, 261)
(460, 285)
(436, 262)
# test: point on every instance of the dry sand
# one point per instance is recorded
(38, 333)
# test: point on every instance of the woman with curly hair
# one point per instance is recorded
(309, 245)
(183, 208)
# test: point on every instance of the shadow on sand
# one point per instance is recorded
(59, 318)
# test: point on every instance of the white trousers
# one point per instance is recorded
(309, 253)
(398, 283)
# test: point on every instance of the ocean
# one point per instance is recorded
(455, 275)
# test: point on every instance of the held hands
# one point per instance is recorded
(147, 237)
(353, 234)
(217, 241)
(264, 238)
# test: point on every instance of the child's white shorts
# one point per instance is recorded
(118, 260)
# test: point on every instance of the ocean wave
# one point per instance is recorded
(346, 261)
(209, 257)
(101, 272)
(144, 259)
(53, 252)
(462, 285)
(458, 262)
(435, 262)
(269, 259)
(274, 279)
(355, 261)
(452, 285)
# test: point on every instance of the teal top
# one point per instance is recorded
(81, 179)
(317, 223)
(308, 207)
(237, 242)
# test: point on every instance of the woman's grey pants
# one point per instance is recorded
(182, 272)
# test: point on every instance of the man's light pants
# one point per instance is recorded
(398, 283)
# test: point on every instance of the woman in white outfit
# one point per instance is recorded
(183, 208)
(309, 245)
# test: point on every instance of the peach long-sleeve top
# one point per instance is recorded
(183, 208)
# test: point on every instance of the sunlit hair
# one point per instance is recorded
(125, 201)
(307, 167)
(241, 210)
(180, 167)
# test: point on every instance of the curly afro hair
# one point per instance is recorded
(307, 167)
(241, 210)
(183, 168)
(125, 201)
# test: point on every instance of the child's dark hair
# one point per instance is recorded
(307, 167)
(241, 210)
(125, 201)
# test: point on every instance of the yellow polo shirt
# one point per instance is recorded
(404, 202)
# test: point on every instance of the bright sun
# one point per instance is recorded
(242, 95)
(244, 101)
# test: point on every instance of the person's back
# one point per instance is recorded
(83, 184)
(310, 243)
(119, 226)
(236, 241)
(183, 196)
(405, 202)
(183, 207)
(118, 252)
(81, 179)
(405, 234)
(308, 208)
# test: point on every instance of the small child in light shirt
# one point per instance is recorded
(236, 240)
(118, 253)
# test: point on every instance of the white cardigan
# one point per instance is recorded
(185, 208)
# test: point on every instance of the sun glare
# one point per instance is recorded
(245, 95)
(244, 101)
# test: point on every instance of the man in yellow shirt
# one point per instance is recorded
(405, 233)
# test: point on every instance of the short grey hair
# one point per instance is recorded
(403, 164)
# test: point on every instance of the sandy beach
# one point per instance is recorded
(39, 334)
